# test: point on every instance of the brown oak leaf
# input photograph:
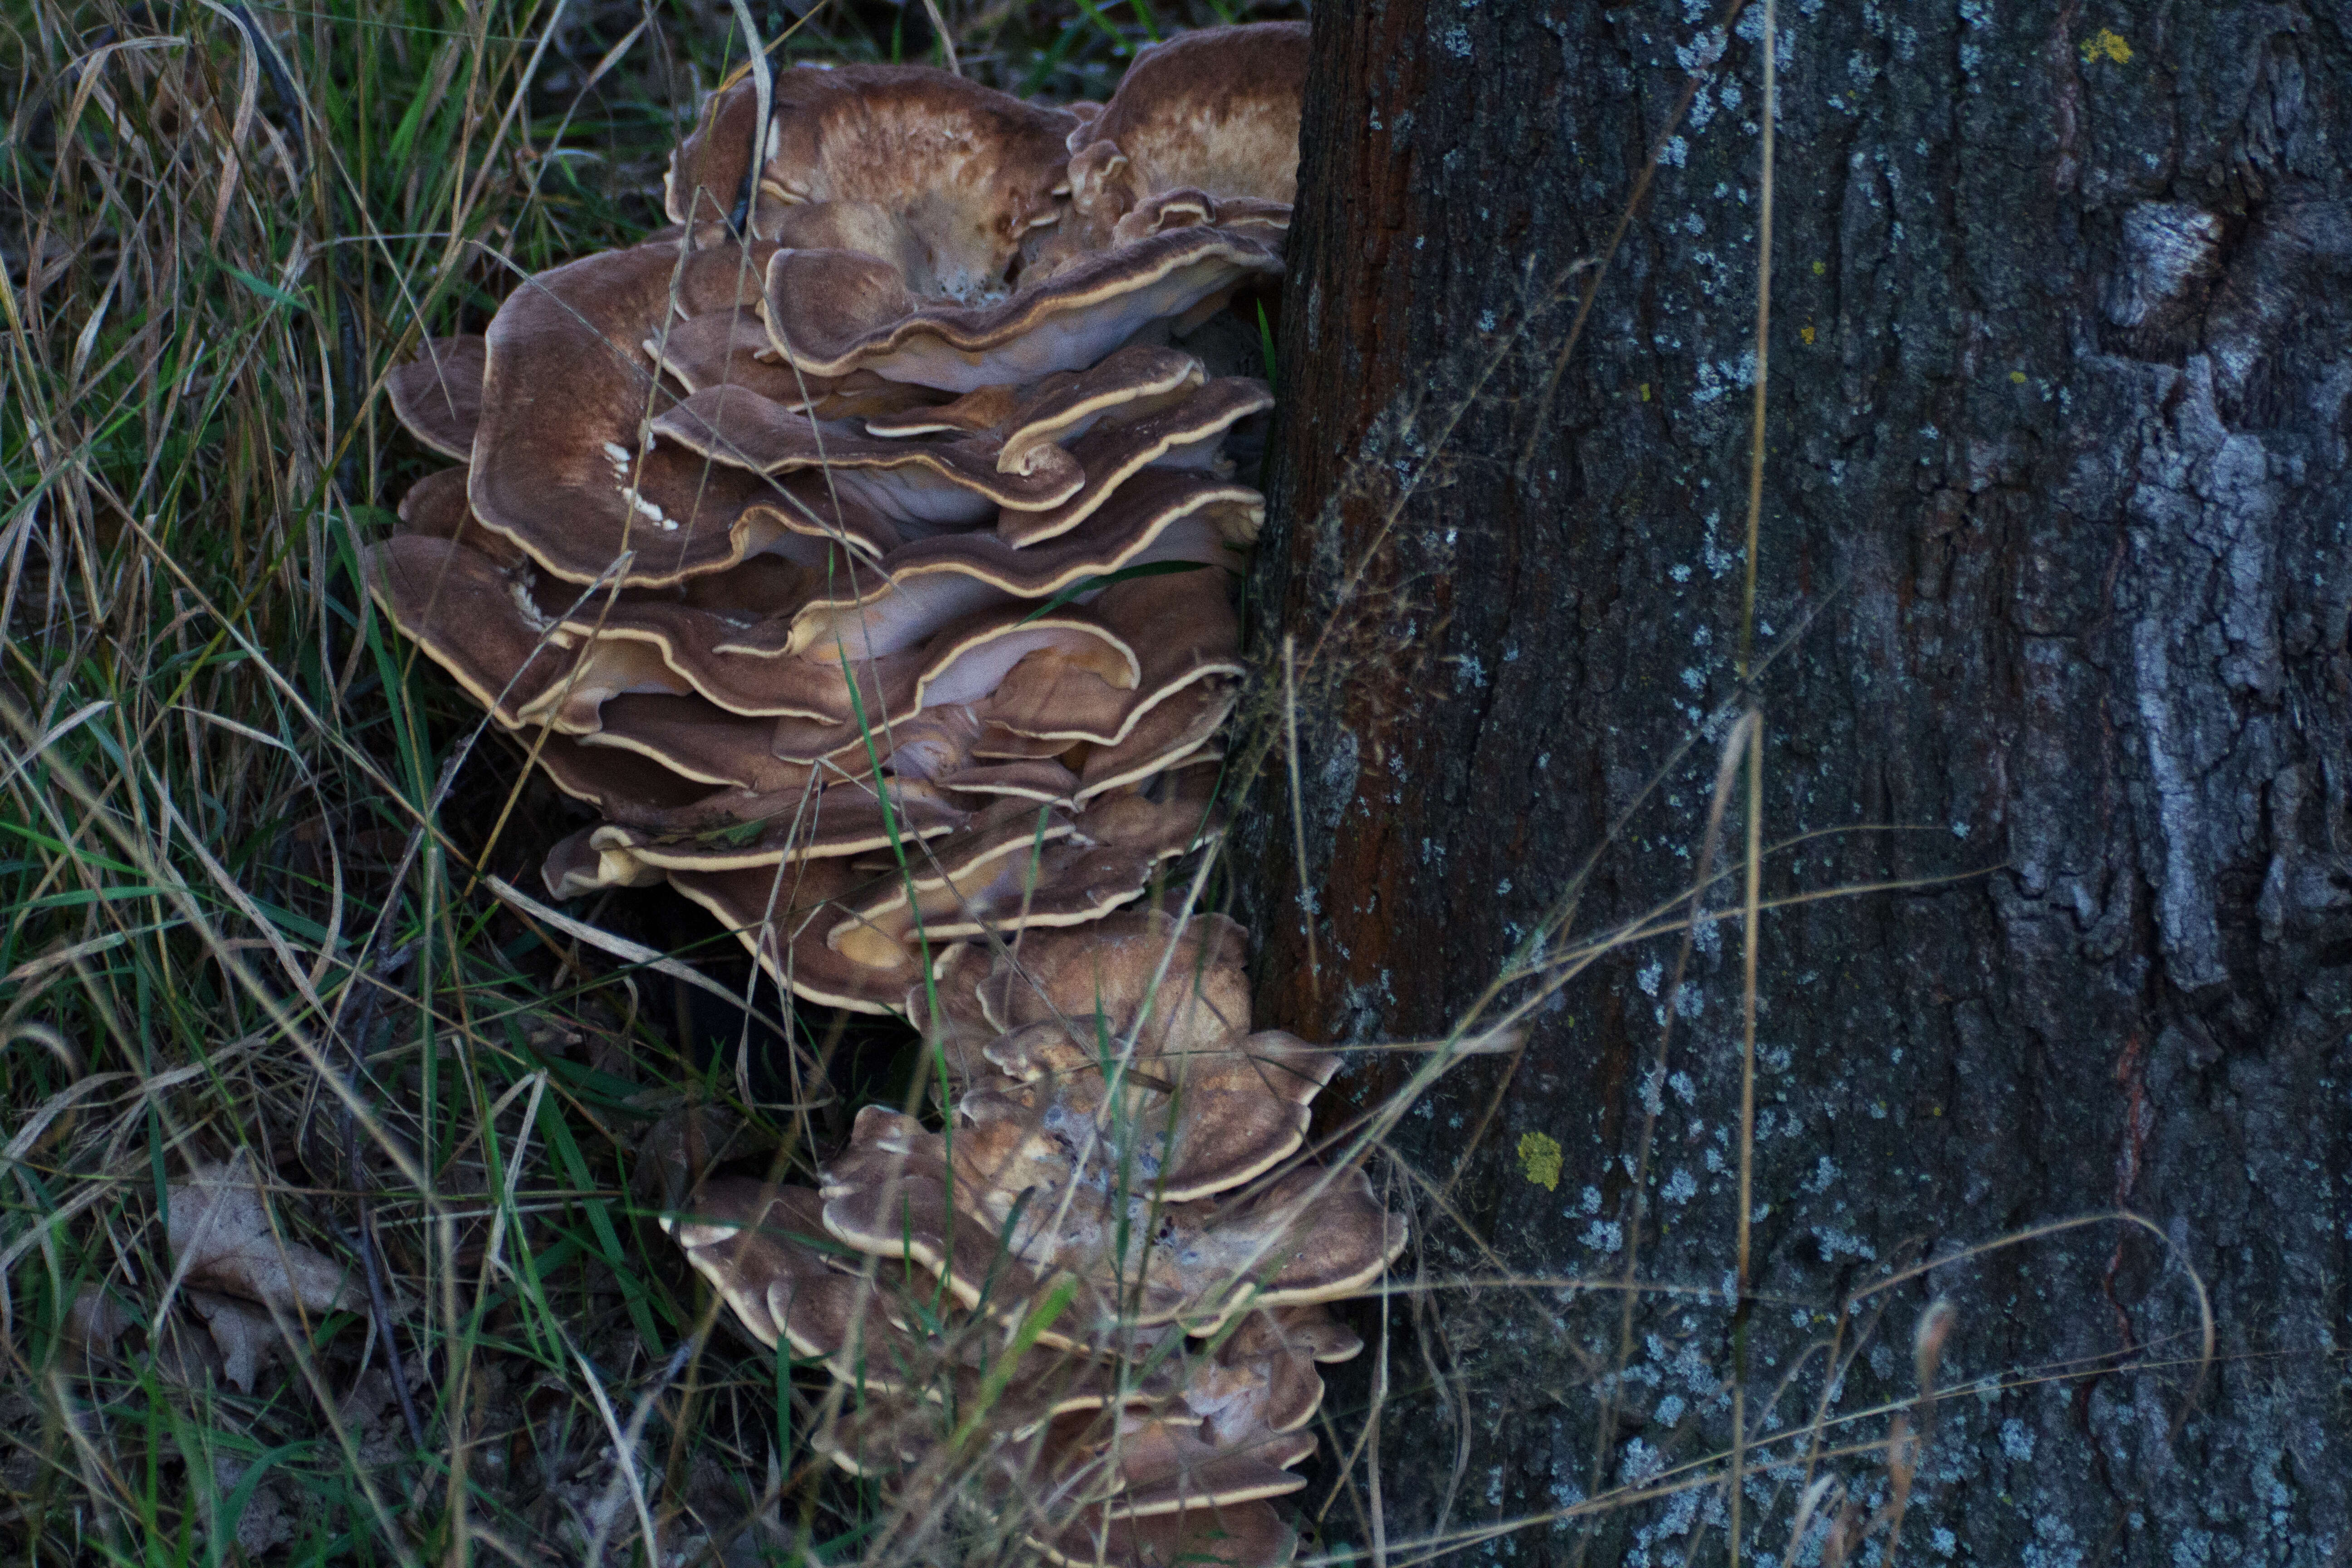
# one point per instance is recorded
(222, 1241)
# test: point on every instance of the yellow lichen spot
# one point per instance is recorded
(1819, 268)
(1539, 1160)
(2017, 377)
(1806, 332)
(1645, 391)
(2106, 44)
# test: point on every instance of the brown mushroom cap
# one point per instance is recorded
(1158, 517)
(1089, 1466)
(730, 348)
(1180, 435)
(698, 741)
(1204, 1109)
(1041, 779)
(1184, 728)
(439, 395)
(929, 744)
(1127, 1487)
(999, 743)
(435, 508)
(1112, 970)
(932, 483)
(969, 659)
(892, 612)
(1137, 380)
(888, 1194)
(477, 620)
(724, 660)
(967, 171)
(765, 1250)
(1263, 1377)
(621, 785)
(1104, 863)
(961, 886)
(564, 468)
(1161, 515)
(1189, 208)
(1306, 1235)
(1214, 112)
(781, 917)
(794, 825)
(1217, 110)
(575, 868)
(1162, 1468)
(833, 311)
(1183, 625)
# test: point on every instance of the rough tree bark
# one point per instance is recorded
(2055, 536)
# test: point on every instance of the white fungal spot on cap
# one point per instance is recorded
(539, 620)
(618, 453)
(651, 511)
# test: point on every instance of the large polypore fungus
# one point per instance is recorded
(860, 552)
(873, 533)
(1118, 1189)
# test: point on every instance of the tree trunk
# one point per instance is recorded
(2053, 574)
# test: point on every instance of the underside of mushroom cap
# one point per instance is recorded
(1263, 1377)
(575, 868)
(846, 818)
(1161, 515)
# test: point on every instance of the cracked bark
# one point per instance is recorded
(2056, 528)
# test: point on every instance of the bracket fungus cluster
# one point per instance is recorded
(1096, 1294)
(860, 549)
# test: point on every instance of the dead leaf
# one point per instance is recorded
(185, 1357)
(222, 1241)
(266, 1519)
(95, 1321)
(245, 1333)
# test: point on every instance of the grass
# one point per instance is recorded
(245, 835)
(247, 845)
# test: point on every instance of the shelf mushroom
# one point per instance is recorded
(1120, 1182)
(860, 552)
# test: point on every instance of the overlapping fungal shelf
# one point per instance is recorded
(862, 550)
